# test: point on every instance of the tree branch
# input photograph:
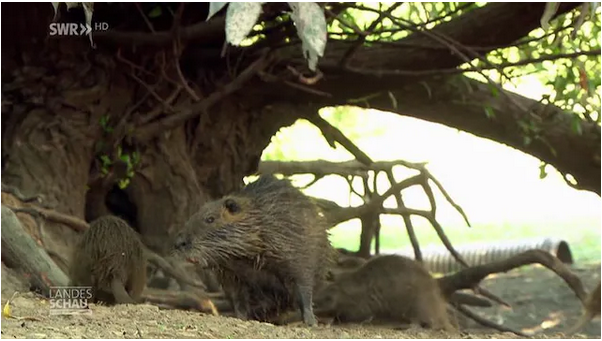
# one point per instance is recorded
(179, 117)
(332, 134)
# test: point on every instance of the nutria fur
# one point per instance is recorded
(591, 309)
(387, 288)
(344, 263)
(110, 258)
(268, 245)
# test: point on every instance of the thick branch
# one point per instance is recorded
(517, 19)
(460, 103)
(177, 118)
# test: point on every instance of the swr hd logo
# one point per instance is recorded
(73, 29)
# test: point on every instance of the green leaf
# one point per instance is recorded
(55, 5)
(576, 125)
(105, 160)
(135, 158)
(240, 19)
(215, 7)
(311, 28)
(156, 12)
(542, 170)
(495, 92)
(489, 112)
(123, 183)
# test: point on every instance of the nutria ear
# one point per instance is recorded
(232, 206)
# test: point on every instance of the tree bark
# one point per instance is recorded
(20, 251)
(457, 101)
(553, 140)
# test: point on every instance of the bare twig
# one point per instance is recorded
(151, 91)
(335, 134)
(486, 323)
(39, 199)
(52, 215)
(406, 220)
(449, 199)
(347, 56)
(150, 130)
(131, 64)
(161, 107)
(148, 23)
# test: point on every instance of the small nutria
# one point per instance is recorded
(110, 258)
(388, 288)
(345, 263)
(267, 240)
(591, 309)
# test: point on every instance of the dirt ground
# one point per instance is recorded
(542, 304)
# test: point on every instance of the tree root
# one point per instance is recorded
(486, 323)
(81, 225)
(39, 199)
(20, 251)
(470, 277)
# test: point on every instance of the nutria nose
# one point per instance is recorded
(183, 241)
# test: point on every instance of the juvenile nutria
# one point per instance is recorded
(268, 245)
(387, 288)
(344, 263)
(591, 309)
(110, 258)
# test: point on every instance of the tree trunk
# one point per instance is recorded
(53, 106)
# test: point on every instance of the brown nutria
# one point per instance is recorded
(268, 245)
(110, 258)
(344, 263)
(591, 309)
(388, 288)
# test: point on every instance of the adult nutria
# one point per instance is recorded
(110, 258)
(591, 309)
(268, 245)
(388, 288)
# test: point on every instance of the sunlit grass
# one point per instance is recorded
(583, 240)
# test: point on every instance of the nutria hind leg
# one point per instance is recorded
(305, 299)
(239, 299)
(137, 283)
(118, 290)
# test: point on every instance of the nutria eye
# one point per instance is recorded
(209, 220)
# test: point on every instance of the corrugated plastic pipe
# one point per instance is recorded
(440, 260)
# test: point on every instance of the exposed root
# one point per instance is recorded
(38, 199)
(486, 323)
(81, 225)
(470, 277)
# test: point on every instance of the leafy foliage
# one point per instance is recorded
(240, 19)
(307, 16)
(311, 27)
